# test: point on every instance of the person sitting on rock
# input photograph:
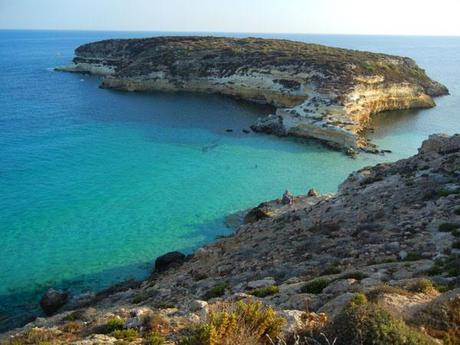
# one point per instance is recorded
(287, 199)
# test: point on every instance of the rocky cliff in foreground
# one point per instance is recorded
(376, 263)
(320, 92)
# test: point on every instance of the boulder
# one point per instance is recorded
(335, 306)
(440, 143)
(53, 300)
(169, 260)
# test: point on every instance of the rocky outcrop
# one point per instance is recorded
(391, 232)
(320, 92)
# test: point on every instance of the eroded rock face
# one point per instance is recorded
(320, 92)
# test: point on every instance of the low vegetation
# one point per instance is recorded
(154, 339)
(364, 323)
(217, 290)
(242, 323)
(449, 265)
(315, 286)
(265, 291)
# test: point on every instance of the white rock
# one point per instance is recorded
(198, 305)
(261, 283)
(339, 286)
(294, 320)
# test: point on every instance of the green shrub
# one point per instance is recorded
(166, 306)
(315, 286)
(366, 324)
(354, 275)
(242, 323)
(413, 256)
(265, 291)
(114, 324)
(333, 269)
(70, 317)
(456, 245)
(154, 339)
(358, 299)
(457, 211)
(447, 192)
(423, 285)
(217, 290)
(139, 298)
(448, 227)
(442, 288)
(449, 265)
(125, 334)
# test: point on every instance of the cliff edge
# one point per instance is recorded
(319, 92)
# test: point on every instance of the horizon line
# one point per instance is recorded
(230, 32)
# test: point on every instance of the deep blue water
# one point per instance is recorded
(95, 183)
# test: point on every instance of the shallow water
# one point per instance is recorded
(95, 183)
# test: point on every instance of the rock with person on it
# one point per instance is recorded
(312, 192)
(287, 199)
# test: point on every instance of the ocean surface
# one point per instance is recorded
(95, 184)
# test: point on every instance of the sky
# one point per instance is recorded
(388, 17)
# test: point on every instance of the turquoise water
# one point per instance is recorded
(95, 183)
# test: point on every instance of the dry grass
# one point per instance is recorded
(242, 323)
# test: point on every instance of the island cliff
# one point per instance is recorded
(319, 92)
(376, 263)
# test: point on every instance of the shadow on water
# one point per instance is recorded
(390, 121)
(22, 306)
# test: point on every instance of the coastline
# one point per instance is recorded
(293, 246)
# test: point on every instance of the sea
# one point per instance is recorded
(95, 184)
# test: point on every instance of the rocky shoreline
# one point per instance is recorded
(319, 92)
(376, 263)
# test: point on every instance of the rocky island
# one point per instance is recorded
(319, 92)
(376, 263)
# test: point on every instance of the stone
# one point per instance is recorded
(335, 306)
(402, 254)
(53, 300)
(137, 317)
(197, 305)
(169, 260)
(339, 286)
(200, 308)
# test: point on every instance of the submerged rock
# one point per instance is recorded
(169, 260)
(53, 300)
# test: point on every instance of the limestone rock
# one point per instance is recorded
(320, 92)
(261, 283)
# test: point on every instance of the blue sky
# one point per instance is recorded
(419, 17)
